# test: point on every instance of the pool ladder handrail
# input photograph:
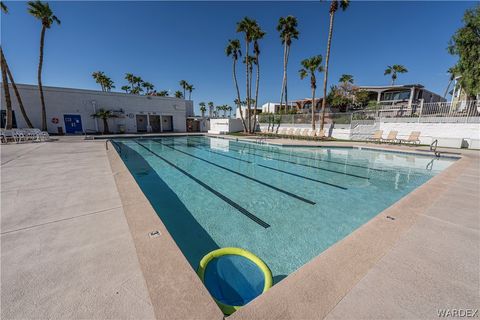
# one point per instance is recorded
(433, 148)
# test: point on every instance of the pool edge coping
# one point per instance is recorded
(174, 288)
(261, 307)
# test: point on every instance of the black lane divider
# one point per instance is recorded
(242, 175)
(220, 154)
(300, 176)
(303, 165)
(215, 192)
(279, 170)
(318, 159)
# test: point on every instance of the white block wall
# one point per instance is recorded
(61, 101)
(447, 134)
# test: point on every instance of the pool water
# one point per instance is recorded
(285, 205)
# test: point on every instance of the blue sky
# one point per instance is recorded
(165, 42)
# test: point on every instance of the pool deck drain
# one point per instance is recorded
(75, 260)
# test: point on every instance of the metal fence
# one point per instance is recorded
(304, 119)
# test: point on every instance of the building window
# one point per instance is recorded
(395, 95)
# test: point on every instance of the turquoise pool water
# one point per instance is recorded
(286, 205)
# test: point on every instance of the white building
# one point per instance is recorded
(70, 110)
(245, 111)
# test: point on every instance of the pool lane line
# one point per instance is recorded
(304, 177)
(283, 171)
(319, 159)
(241, 209)
(220, 154)
(303, 157)
(243, 175)
(300, 164)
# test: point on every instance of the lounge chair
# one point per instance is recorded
(289, 132)
(377, 136)
(296, 133)
(312, 134)
(392, 137)
(413, 138)
(305, 133)
(321, 134)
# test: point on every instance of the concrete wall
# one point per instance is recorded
(219, 126)
(447, 134)
(454, 135)
(61, 101)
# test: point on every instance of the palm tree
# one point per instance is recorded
(104, 115)
(126, 89)
(233, 50)
(178, 94)
(394, 70)
(42, 12)
(310, 66)
(8, 100)
(4, 7)
(190, 88)
(247, 26)
(17, 93)
(346, 81)
(148, 87)
(105, 82)
(333, 8)
(163, 93)
(257, 35)
(202, 108)
(451, 72)
(210, 108)
(288, 31)
(183, 85)
(229, 108)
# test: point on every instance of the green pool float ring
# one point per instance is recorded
(234, 277)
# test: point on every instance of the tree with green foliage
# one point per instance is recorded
(42, 12)
(126, 89)
(394, 71)
(162, 93)
(287, 26)
(465, 44)
(105, 82)
(257, 35)
(104, 115)
(334, 4)
(310, 67)
(203, 108)
(148, 87)
(190, 88)
(210, 109)
(183, 85)
(233, 50)
(178, 94)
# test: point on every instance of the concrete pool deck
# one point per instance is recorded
(75, 244)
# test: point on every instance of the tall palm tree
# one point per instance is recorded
(394, 71)
(179, 94)
(287, 26)
(233, 50)
(104, 115)
(257, 35)
(148, 87)
(247, 26)
(310, 66)
(17, 94)
(126, 89)
(451, 72)
(190, 88)
(334, 4)
(202, 108)
(229, 108)
(210, 109)
(163, 93)
(346, 82)
(183, 85)
(42, 12)
(8, 99)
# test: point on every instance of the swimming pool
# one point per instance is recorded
(286, 205)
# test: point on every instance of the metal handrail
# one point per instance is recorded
(433, 148)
